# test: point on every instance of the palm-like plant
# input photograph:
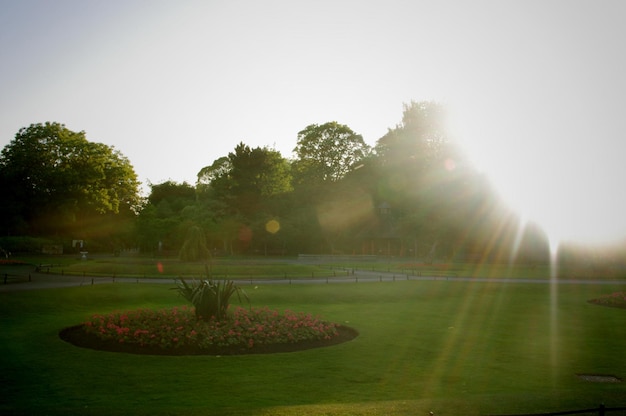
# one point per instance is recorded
(210, 298)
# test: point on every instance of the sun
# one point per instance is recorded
(570, 185)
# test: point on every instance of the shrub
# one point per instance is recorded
(24, 244)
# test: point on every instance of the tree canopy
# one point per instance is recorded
(327, 152)
(413, 194)
(246, 177)
(55, 181)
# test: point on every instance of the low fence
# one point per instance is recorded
(337, 257)
(326, 273)
(83, 279)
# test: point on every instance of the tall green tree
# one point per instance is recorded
(210, 174)
(243, 189)
(440, 203)
(162, 223)
(246, 178)
(327, 152)
(176, 195)
(417, 168)
(56, 182)
(258, 174)
(419, 139)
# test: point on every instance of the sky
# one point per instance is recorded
(536, 87)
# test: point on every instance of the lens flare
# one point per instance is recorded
(272, 226)
(567, 185)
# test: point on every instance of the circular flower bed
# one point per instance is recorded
(177, 331)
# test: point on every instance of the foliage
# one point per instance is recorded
(194, 247)
(210, 298)
(327, 152)
(56, 182)
(23, 244)
(162, 219)
(177, 195)
(218, 169)
(178, 328)
(246, 178)
(616, 299)
(241, 191)
(438, 202)
(419, 139)
(414, 195)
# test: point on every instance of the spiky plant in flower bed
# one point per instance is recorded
(210, 298)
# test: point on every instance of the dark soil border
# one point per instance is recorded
(599, 378)
(77, 336)
(619, 306)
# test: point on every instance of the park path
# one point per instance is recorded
(37, 280)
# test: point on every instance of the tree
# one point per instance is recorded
(56, 182)
(327, 152)
(416, 175)
(441, 204)
(246, 179)
(210, 174)
(161, 222)
(240, 190)
(194, 247)
(257, 175)
(419, 139)
(178, 195)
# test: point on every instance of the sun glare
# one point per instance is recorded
(569, 187)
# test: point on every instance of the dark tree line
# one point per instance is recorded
(412, 194)
(55, 183)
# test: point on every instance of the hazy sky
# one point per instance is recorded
(538, 86)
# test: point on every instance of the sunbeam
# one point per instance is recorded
(554, 298)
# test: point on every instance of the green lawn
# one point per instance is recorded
(448, 347)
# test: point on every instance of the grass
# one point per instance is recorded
(449, 347)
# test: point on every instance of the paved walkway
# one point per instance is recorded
(35, 280)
